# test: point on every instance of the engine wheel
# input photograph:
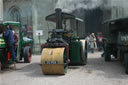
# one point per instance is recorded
(115, 53)
(121, 56)
(107, 54)
(126, 62)
(83, 52)
(27, 54)
(0, 66)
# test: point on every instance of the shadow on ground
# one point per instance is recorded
(113, 69)
(34, 70)
(96, 66)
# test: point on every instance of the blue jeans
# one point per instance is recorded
(12, 51)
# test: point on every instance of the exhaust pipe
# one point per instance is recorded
(58, 18)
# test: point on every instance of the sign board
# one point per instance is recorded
(39, 32)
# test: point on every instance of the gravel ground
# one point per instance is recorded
(96, 72)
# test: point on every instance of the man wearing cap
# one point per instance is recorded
(8, 35)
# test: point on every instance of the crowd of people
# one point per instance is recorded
(94, 42)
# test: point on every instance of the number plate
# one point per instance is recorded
(51, 62)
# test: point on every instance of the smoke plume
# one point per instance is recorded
(71, 5)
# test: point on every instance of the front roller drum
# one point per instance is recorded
(52, 61)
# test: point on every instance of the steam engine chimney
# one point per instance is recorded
(58, 18)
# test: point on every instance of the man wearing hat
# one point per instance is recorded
(8, 35)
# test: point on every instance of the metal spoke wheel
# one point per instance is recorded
(27, 54)
(0, 66)
(84, 52)
(107, 54)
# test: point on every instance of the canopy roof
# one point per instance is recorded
(120, 20)
(65, 16)
(11, 22)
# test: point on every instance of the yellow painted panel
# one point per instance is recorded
(52, 60)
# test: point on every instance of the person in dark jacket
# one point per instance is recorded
(8, 35)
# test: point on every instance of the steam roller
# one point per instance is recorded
(63, 47)
(53, 61)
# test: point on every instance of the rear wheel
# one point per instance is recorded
(65, 62)
(27, 54)
(84, 52)
(121, 57)
(107, 54)
(0, 66)
(126, 62)
(115, 53)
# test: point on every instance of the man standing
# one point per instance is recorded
(8, 35)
